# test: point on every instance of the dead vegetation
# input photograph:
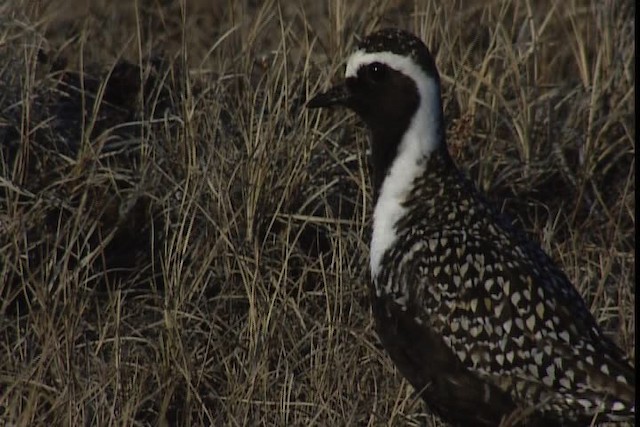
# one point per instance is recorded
(183, 243)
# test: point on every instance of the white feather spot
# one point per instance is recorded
(510, 356)
(618, 406)
(507, 326)
(531, 322)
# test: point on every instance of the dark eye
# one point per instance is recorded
(376, 72)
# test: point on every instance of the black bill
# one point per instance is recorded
(338, 95)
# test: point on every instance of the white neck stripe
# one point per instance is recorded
(420, 139)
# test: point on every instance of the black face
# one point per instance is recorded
(376, 89)
(383, 97)
(386, 100)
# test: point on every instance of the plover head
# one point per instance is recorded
(392, 83)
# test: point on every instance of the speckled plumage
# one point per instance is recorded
(498, 302)
(477, 317)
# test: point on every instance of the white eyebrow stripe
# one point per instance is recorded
(403, 64)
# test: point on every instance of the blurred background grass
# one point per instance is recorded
(182, 243)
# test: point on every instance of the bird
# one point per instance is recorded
(481, 322)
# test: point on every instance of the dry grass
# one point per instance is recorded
(196, 253)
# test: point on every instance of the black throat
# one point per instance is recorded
(388, 125)
(386, 138)
(384, 149)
